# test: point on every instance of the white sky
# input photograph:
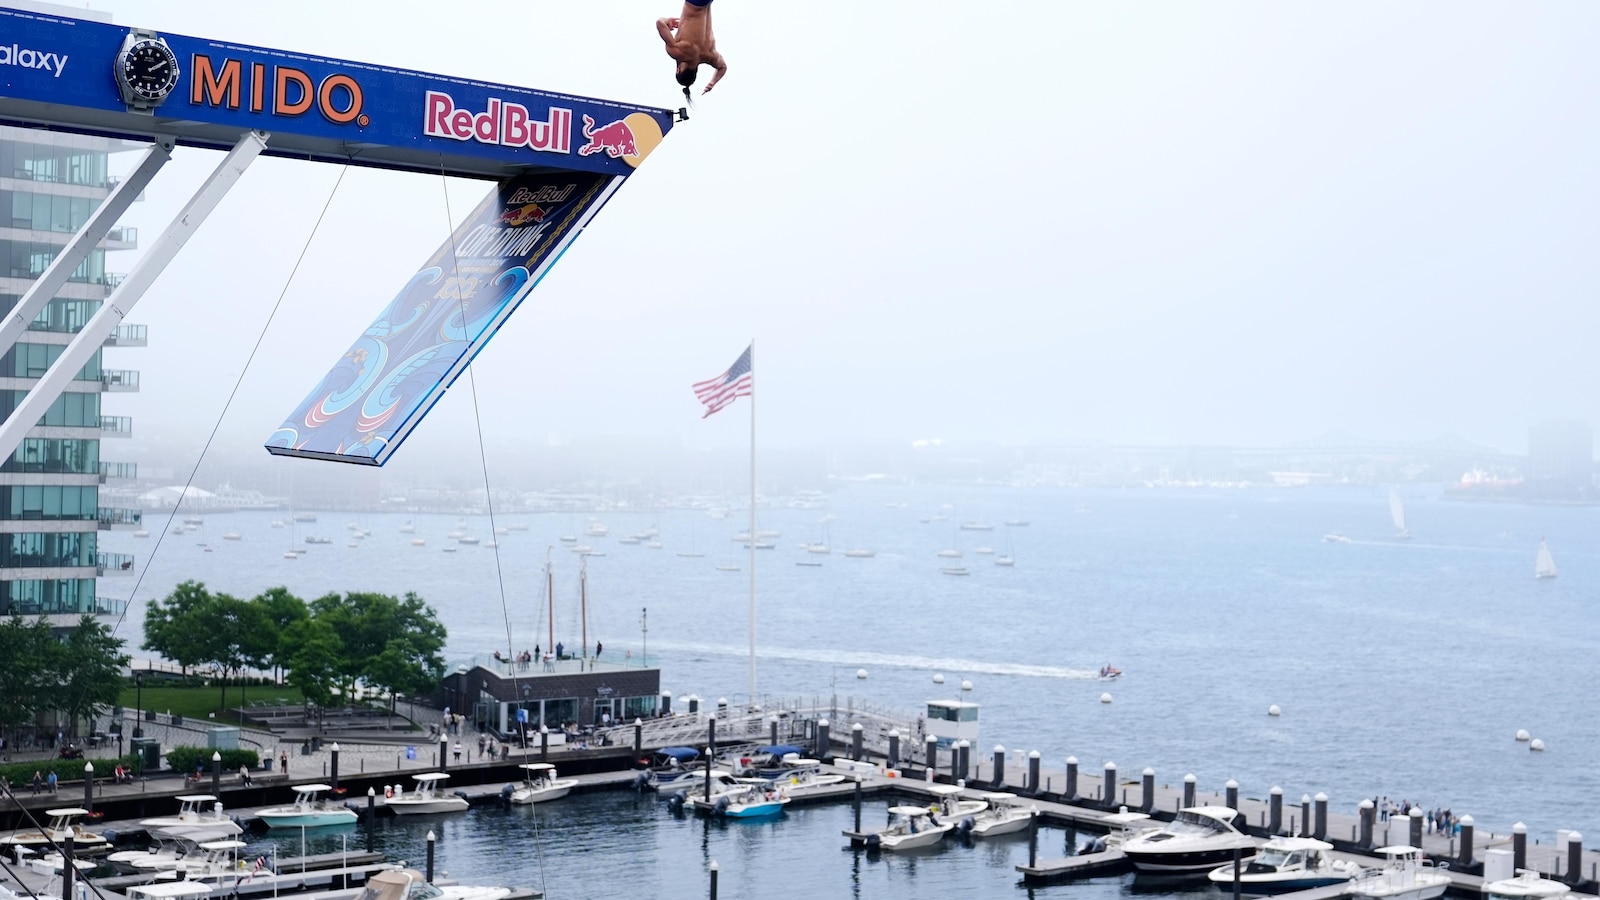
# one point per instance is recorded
(1236, 223)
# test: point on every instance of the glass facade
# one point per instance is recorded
(60, 181)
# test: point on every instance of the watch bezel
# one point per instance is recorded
(160, 92)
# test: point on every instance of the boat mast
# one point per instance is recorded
(550, 599)
(583, 603)
(752, 700)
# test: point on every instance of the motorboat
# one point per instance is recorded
(163, 857)
(467, 540)
(1004, 561)
(954, 570)
(753, 802)
(232, 536)
(910, 827)
(948, 802)
(1198, 840)
(984, 551)
(1017, 523)
(596, 529)
(1527, 883)
(860, 554)
(949, 554)
(1287, 864)
(425, 797)
(199, 818)
(1403, 876)
(409, 884)
(803, 780)
(1004, 815)
(976, 526)
(1110, 673)
(771, 761)
(723, 784)
(214, 861)
(309, 810)
(539, 783)
(59, 829)
(1121, 827)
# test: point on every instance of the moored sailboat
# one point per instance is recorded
(1397, 511)
(1545, 565)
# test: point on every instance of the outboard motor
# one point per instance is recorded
(965, 825)
(1098, 845)
(722, 805)
(506, 792)
(676, 801)
(640, 781)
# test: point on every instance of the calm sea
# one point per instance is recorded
(1402, 668)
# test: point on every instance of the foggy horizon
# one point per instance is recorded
(1251, 225)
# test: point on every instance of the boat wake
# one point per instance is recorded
(947, 664)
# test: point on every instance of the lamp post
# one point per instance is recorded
(138, 724)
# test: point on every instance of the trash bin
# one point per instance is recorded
(148, 753)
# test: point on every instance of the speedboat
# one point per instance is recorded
(1110, 673)
(1004, 816)
(59, 829)
(539, 784)
(672, 767)
(199, 818)
(409, 884)
(163, 857)
(753, 802)
(910, 827)
(949, 804)
(1199, 839)
(1404, 876)
(425, 798)
(1287, 864)
(1121, 827)
(773, 761)
(309, 810)
(1527, 883)
(860, 554)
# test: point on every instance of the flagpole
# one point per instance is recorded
(752, 700)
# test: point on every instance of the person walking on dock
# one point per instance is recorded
(283, 761)
(38, 781)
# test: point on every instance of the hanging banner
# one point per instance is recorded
(389, 379)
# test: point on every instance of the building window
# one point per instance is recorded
(33, 550)
(559, 712)
(49, 502)
(70, 410)
(35, 598)
(33, 360)
(639, 707)
(55, 456)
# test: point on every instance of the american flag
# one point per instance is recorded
(737, 382)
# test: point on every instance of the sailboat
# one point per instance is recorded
(1397, 509)
(1545, 566)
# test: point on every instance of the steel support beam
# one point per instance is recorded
(88, 237)
(155, 260)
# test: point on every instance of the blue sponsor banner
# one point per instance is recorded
(381, 388)
(60, 72)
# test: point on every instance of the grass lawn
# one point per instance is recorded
(199, 702)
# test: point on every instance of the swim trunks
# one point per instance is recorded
(699, 2)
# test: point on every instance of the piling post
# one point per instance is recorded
(1034, 761)
(1368, 814)
(894, 748)
(1574, 858)
(1415, 837)
(68, 868)
(666, 703)
(964, 748)
(444, 751)
(822, 740)
(1238, 865)
(1305, 815)
(709, 754)
(1033, 839)
(1466, 840)
(930, 752)
(1275, 810)
(857, 734)
(855, 802)
(1188, 789)
(999, 766)
(216, 772)
(1108, 794)
(88, 786)
(431, 840)
(694, 705)
(957, 754)
(372, 813)
(544, 743)
(1519, 847)
(772, 728)
(1231, 792)
(711, 735)
(1321, 831)
(333, 766)
(1070, 792)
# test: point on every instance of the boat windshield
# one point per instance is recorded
(1278, 858)
(1190, 823)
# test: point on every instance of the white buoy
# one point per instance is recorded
(1522, 734)
(938, 678)
(1105, 698)
(1536, 745)
(1273, 710)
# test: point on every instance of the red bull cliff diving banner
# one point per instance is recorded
(138, 83)
(381, 388)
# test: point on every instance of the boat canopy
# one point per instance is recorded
(313, 788)
(681, 754)
(781, 750)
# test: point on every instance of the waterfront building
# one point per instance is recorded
(50, 513)
(556, 693)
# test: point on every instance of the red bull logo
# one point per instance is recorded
(615, 140)
(502, 123)
(530, 214)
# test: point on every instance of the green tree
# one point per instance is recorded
(316, 664)
(175, 628)
(390, 644)
(26, 648)
(281, 610)
(236, 630)
(86, 670)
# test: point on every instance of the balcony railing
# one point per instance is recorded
(119, 470)
(111, 280)
(120, 380)
(129, 336)
(114, 563)
(116, 426)
(116, 518)
(123, 234)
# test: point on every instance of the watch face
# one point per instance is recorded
(150, 70)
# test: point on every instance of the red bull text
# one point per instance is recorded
(503, 123)
(614, 140)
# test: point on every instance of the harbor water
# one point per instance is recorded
(1402, 668)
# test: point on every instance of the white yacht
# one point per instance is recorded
(910, 827)
(1527, 883)
(59, 829)
(425, 798)
(1004, 815)
(199, 818)
(1287, 864)
(1199, 839)
(309, 810)
(539, 783)
(1404, 876)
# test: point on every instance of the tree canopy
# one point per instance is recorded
(72, 675)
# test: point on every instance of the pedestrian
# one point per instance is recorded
(38, 781)
(597, 648)
(283, 761)
(493, 751)
(244, 775)
(560, 649)
(481, 741)
(457, 751)
(51, 780)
